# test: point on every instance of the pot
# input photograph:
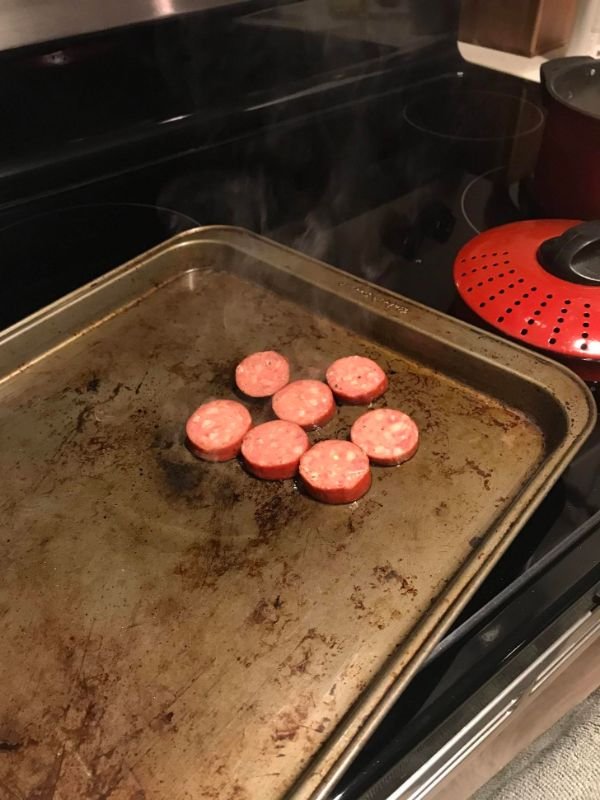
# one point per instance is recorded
(567, 174)
(539, 283)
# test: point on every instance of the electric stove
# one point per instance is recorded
(372, 146)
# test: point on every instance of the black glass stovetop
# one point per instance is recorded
(380, 159)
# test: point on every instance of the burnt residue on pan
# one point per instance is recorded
(175, 613)
(386, 574)
(272, 515)
(203, 564)
(181, 479)
(217, 373)
(93, 384)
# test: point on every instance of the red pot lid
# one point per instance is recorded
(500, 278)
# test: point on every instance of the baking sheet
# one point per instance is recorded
(178, 629)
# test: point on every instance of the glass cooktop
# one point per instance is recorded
(382, 156)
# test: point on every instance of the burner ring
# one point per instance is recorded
(472, 115)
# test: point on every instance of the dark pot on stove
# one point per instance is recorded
(567, 174)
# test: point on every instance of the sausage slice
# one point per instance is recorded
(216, 429)
(386, 436)
(262, 374)
(335, 472)
(356, 380)
(307, 403)
(272, 450)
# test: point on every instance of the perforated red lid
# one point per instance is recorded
(500, 278)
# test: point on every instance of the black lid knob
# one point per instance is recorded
(574, 255)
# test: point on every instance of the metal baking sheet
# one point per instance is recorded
(177, 629)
